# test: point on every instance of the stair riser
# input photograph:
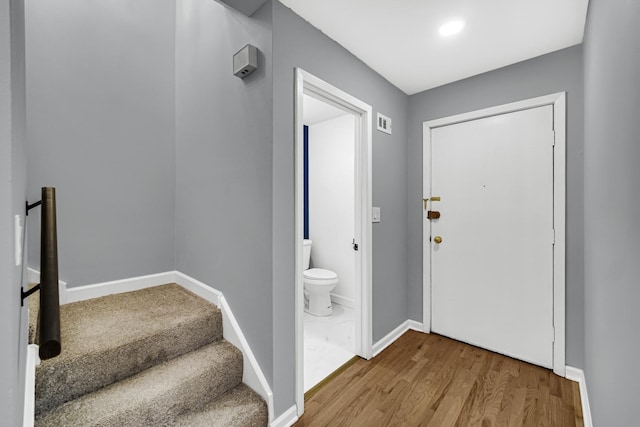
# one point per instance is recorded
(240, 407)
(154, 404)
(82, 375)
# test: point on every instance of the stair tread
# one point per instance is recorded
(239, 407)
(157, 395)
(110, 338)
(95, 324)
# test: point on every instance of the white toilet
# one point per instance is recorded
(318, 284)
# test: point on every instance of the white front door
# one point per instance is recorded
(492, 272)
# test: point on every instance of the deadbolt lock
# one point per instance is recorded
(433, 215)
(437, 239)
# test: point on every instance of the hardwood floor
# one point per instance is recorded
(430, 380)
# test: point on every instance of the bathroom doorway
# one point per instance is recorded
(329, 232)
(333, 207)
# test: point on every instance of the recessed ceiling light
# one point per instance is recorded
(452, 27)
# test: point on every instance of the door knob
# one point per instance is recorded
(437, 239)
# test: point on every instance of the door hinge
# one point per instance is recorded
(553, 138)
(553, 334)
(553, 236)
(354, 244)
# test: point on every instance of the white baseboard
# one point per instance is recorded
(33, 276)
(30, 385)
(416, 326)
(81, 293)
(252, 374)
(288, 418)
(197, 287)
(577, 375)
(385, 342)
(343, 301)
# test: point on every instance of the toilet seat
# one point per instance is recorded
(319, 276)
(319, 273)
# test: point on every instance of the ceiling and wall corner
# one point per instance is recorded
(246, 7)
(316, 111)
(401, 42)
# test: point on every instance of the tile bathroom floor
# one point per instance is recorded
(328, 343)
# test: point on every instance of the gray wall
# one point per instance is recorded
(612, 209)
(12, 196)
(100, 81)
(223, 163)
(555, 72)
(298, 44)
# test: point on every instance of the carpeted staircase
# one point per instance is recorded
(154, 357)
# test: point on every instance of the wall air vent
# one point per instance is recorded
(384, 124)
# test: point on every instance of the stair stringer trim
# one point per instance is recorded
(252, 374)
(32, 360)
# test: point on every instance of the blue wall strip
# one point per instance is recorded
(306, 181)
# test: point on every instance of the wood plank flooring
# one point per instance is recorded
(430, 380)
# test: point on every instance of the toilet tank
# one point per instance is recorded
(306, 253)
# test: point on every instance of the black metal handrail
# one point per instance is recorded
(48, 332)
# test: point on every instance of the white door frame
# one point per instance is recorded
(558, 101)
(307, 84)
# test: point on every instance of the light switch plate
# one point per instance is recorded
(376, 215)
(17, 235)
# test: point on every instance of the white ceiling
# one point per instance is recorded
(315, 111)
(399, 38)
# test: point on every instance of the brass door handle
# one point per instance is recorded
(437, 239)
